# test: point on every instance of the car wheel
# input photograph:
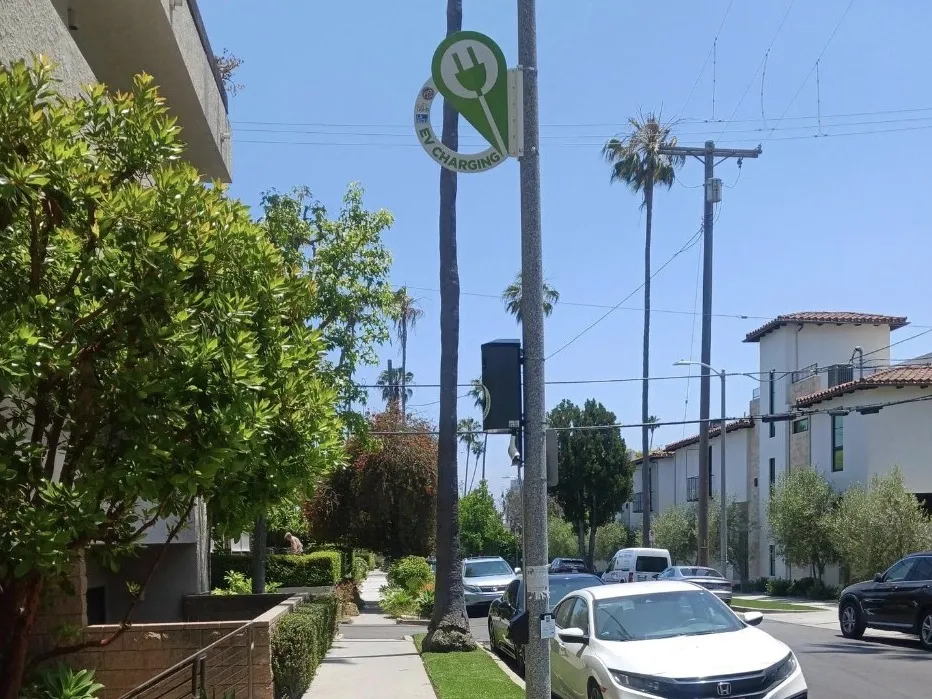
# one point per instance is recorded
(852, 620)
(594, 691)
(520, 667)
(493, 646)
(925, 629)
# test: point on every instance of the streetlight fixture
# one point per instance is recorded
(723, 505)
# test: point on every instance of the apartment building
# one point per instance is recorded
(830, 397)
(111, 41)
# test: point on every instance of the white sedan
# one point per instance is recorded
(665, 639)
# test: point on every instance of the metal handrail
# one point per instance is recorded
(187, 661)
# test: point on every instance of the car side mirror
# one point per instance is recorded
(753, 618)
(574, 635)
(517, 571)
(878, 577)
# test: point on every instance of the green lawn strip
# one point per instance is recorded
(765, 605)
(467, 675)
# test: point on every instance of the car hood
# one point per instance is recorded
(859, 587)
(489, 581)
(748, 650)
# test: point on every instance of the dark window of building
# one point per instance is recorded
(773, 473)
(96, 605)
(772, 390)
(638, 506)
(692, 489)
(773, 561)
(710, 470)
(838, 443)
(800, 426)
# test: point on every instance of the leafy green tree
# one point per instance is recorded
(384, 500)
(561, 539)
(511, 297)
(482, 531)
(407, 314)
(799, 512)
(449, 625)
(595, 474)
(610, 538)
(874, 527)
(636, 161)
(154, 352)
(675, 529)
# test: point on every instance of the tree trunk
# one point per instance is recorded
(580, 541)
(259, 555)
(19, 603)
(404, 369)
(645, 372)
(449, 626)
(485, 448)
(590, 560)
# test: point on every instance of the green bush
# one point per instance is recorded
(397, 601)
(299, 642)
(411, 573)
(62, 682)
(425, 604)
(778, 587)
(360, 569)
(305, 570)
(239, 584)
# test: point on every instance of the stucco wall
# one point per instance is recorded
(34, 26)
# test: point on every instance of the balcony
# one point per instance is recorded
(638, 503)
(805, 373)
(167, 39)
(692, 488)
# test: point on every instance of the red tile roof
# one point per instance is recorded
(742, 424)
(897, 376)
(823, 317)
(655, 454)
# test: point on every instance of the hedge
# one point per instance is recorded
(305, 570)
(299, 642)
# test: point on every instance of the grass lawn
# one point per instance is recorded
(467, 675)
(765, 605)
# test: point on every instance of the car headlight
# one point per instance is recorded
(783, 670)
(642, 683)
(472, 588)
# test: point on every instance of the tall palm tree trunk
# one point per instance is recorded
(645, 372)
(485, 448)
(449, 626)
(404, 371)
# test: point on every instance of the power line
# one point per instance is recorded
(690, 243)
(816, 64)
(705, 62)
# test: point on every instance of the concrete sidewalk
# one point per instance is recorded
(372, 657)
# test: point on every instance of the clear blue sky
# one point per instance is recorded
(827, 223)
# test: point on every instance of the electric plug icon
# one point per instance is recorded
(473, 76)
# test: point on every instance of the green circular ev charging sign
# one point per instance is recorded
(469, 71)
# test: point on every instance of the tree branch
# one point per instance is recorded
(125, 623)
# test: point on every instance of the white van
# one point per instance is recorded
(636, 565)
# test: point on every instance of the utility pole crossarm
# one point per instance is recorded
(702, 151)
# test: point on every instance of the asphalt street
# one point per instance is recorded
(877, 667)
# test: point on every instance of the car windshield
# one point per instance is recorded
(651, 564)
(560, 587)
(663, 615)
(485, 569)
(700, 573)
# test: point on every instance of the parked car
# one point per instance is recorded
(508, 620)
(485, 579)
(709, 578)
(568, 565)
(665, 638)
(636, 565)
(897, 600)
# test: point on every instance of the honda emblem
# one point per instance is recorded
(723, 689)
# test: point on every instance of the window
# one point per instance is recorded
(838, 442)
(800, 426)
(562, 613)
(922, 571)
(772, 397)
(692, 489)
(638, 504)
(711, 494)
(668, 573)
(773, 473)
(773, 560)
(579, 619)
(511, 594)
(900, 570)
(486, 569)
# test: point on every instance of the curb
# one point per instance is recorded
(503, 666)
(413, 621)
(739, 608)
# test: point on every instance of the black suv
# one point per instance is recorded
(898, 600)
(568, 565)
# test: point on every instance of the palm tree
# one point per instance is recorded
(637, 162)
(477, 393)
(449, 625)
(394, 384)
(407, 314)
(511, 297)
(478, 449)
(468, 430)
(652, 423)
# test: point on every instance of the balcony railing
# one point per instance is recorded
(755, 394)
(638, 502)
(692, 488)
(805, 373)
(839, 374)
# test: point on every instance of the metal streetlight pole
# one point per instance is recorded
(723, 505)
